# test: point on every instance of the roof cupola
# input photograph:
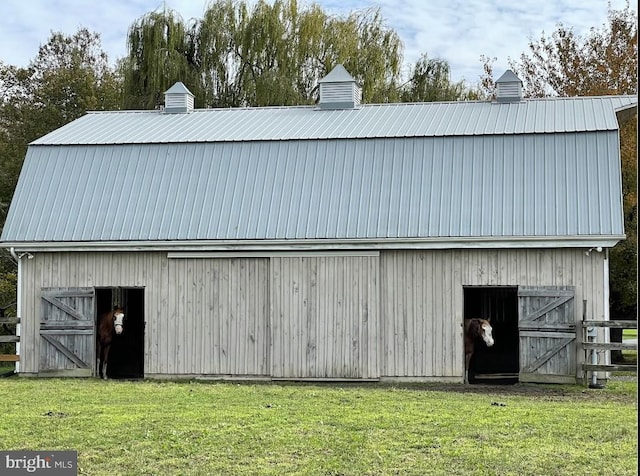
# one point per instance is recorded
(508, 87)
(338, 90)
(178, 99)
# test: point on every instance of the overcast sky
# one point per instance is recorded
(459, 31)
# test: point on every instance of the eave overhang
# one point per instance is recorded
(321, 244)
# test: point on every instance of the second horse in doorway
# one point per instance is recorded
(110, 324)
(475, 330)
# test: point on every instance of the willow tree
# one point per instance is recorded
(243, 53)
(250, 56)
(160, 52)
(430, 80)
(274, 53)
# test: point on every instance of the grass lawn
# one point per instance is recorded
(204, 428)
(630, 356)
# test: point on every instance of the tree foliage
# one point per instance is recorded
(160, 53)
(603, 62)
(624, 256)
(431, 81)
(271, 53)
(70, 75)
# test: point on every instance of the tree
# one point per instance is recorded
(267, 54)
(430, 81)
(624, 256)
(70, 75)
(602, 63)
(161, 52)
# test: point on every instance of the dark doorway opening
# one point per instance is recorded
(126, 358)
(499, 363)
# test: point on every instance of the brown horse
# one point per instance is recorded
(475, 329)
(110, 324)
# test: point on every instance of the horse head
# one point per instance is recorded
(486, 331)
(118, 319)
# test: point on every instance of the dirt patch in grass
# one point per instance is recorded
(551, 391)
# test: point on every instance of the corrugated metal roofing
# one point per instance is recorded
(556, 115)
(443, 171)
(385, 188)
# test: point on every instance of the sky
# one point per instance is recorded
(458, 31)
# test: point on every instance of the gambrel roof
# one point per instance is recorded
(542, 172)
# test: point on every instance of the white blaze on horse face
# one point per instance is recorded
(118, 322)
(487, 336)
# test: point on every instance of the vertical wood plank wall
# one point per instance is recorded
(220, 311)
(422, 298)
(135, 269)
(324, 317)
(413, 300)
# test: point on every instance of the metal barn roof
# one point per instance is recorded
(536, 173)
(368, 121)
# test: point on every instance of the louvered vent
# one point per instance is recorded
(178, 99)
(508, 87)
(338, 90)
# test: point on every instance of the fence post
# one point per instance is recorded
(592, 336)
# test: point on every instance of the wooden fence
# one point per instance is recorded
(589, 345)
(9, 328)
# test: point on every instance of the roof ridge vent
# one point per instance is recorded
(508, 87)
(178, 99)
(338, 90)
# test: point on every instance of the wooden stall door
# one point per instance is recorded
(547, 330)
(67, 332)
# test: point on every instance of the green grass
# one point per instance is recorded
(197, 428)
(630, 356)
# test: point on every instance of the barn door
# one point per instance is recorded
(67, 327)
(547, 329)
(324, 319)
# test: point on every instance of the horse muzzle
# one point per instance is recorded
(118, 328)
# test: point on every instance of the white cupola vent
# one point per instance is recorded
(508, 87)
(338, 90)
(178, 99)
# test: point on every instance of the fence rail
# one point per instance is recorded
(11, 338)
(591, 346)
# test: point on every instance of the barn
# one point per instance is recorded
(339, 241)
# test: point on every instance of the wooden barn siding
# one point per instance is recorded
(422, 298)
(91, 270)
(220, 308)
(325, 317)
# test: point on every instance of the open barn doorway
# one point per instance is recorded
(126, 358)
(499, 363)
